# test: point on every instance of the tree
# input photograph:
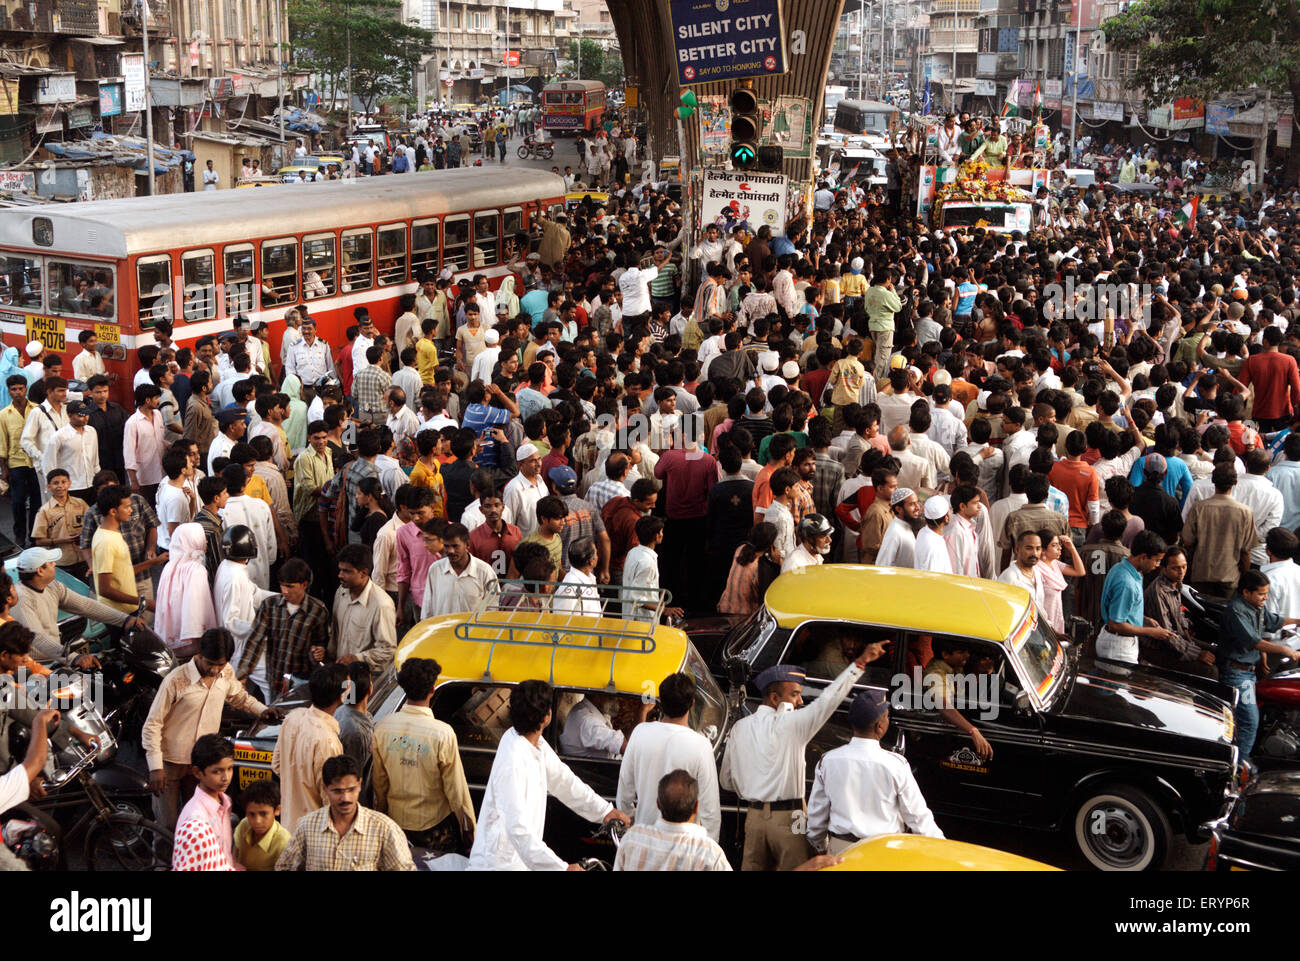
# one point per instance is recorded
(1202, 48)
(611, 71)
(385, 51)
(587, 58)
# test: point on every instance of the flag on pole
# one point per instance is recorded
(1187, 214)
(925, 99)
(1038, 101)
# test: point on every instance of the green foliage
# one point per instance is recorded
(385, 51)
(1201, 48)
(588, 59)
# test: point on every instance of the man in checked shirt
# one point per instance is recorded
(285, 630)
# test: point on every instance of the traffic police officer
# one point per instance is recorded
(861, 790)
(764, 761)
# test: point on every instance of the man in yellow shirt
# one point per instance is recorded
(110, 557)
(426, 352)
(15, 464)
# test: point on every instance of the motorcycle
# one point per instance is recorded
(132, 672)
(108, 800)
(531, 147)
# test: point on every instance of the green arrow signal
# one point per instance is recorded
(742, 154)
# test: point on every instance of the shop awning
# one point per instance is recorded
(101, 41)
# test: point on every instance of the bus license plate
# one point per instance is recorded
(247, 775)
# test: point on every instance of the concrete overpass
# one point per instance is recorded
(646, 41)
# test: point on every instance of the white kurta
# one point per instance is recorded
(932, 552)
(236, 599)
(253, 513)
(513, 814)
(898, 546)
(655, 749)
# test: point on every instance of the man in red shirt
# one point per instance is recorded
(620, 516)
(1276, 380)
(688, 475)
(1078, 481)
(780, 453)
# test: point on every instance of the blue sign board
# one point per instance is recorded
(110, 99)
(1217, 116)
(727, 39)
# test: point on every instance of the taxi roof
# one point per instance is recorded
(900, 597)
(914, 852)
(533, 654)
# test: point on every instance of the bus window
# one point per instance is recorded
(239, 278)
(392, 254)
(512, 223)
(487, 239)
(198, 269)
(279, 271)
(356, 259)
(455, 242)
(153, 276)
(80, 288)
(424, 248)
(20, 281)
(318, 266)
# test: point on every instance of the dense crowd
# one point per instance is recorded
(1096, 412)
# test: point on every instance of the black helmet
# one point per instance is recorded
(814, 526)
(239, 543)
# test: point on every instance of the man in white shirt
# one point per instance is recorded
(176, 503)
(401, 419)
(635, 285)
(75, 448)
(1283, 579)
(255, 514)
(1257, 492)
(43, 422)
(1023, 569)
(814, 533)
(656, 748)
(861, 790)
(525, 489)
(676, 841)
(764, 763)
(931, 548)
(235, 597)
(641, 571)
(898, 546)
(365, 340)
(525, 771)
(309, 359)
(458, 581)
(589, 730)
(487, 358)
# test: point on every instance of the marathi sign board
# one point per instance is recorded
(133, 81)
(755, 198)
(17, 182)
(1217, 116)
(789, 127)
(110, 99)
(727, 39)
(48, 330)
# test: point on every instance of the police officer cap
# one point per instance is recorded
(227, 335)
(867, 708)
(228, 415)
(780, 674)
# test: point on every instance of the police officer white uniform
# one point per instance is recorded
(764, 762)
(861, 790)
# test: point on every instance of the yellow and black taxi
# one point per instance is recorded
(514, 636)
(914, 852)
(1117, 757)
(1261, 831)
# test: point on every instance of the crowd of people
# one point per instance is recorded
(631, 408)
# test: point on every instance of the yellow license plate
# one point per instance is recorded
(108, 333)
(1233, 867)
(247, 775)
(249, 754)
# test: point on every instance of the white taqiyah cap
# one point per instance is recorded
(937, 507)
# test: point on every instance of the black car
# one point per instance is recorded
(1118, 757)
(1261, 832)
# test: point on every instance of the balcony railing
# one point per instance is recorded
(77, 17)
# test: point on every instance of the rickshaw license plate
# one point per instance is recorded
(247, 775)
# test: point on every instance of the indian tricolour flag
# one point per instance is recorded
(1038, 100)
(1187, 214)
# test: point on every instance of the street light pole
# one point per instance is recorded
(347, 30)
(862, 52)
(148, 107)
(1074, 72)
(279, 65)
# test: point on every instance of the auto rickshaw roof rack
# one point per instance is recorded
(522, 612)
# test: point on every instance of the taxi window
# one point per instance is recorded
(478, 713)
(619, 713)
(20, 281)
(969, 675)
(825, 648)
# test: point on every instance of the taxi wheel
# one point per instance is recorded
(1120, 828)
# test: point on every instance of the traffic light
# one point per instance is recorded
(771, 159)
(745, 128)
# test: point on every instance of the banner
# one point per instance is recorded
(925, 188)
(754, 198)
(727, 39)
(110, 99)
(133, 81)
(1284, 123)
(789, 127)
(715, 116)
(1217, 116)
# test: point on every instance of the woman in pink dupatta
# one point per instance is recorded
(184, 602)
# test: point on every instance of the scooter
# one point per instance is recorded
(105, 801)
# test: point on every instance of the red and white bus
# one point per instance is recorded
(200, 259)
(573, 105)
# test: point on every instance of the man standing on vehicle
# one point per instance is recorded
(862, 790)
(418, 777)
(187, 706)
(765, 764)
(524, 772)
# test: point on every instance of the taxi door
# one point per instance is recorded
(953, 778)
